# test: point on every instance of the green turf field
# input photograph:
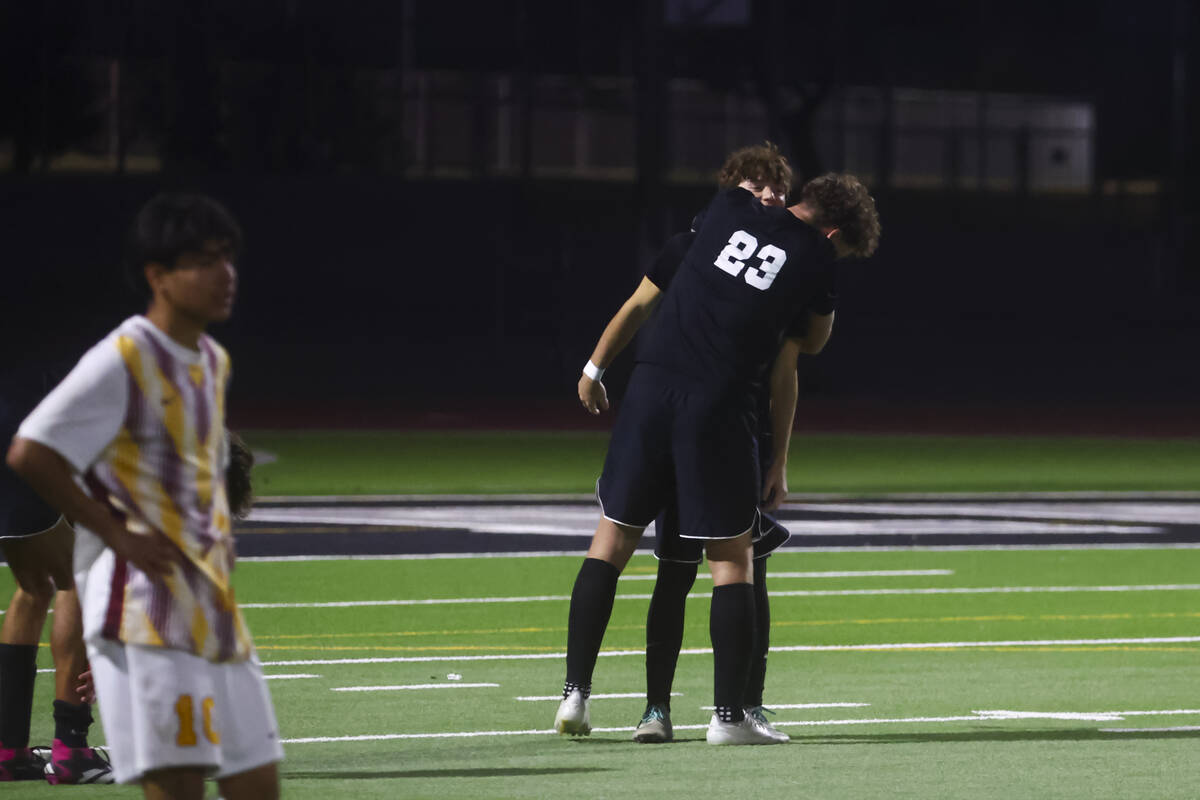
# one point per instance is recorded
(1027, 651)
(387, 462)
(903, 680)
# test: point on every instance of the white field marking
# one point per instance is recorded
(288, 677)
(796, 547)
(868, 573)
(1075, 715)
(796, 723)
(551, 732)
(434, 556)
(793, 497)
(1100, 716)
(263, 457)
(415, 686)
(551, 520)
(442, 601)
(612, 696)
(557, 520)
(778, 707)
(967, 548)
(814, 648)
(1169, 513)
(1164, 587)
(1173, 729)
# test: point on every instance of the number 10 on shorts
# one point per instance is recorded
(185, 709)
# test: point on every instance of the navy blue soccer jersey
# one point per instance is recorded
(750, 276)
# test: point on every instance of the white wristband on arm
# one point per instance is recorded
(592, 371)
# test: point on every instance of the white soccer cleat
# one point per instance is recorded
(572, 716)
(747, 731)
(655, 726)
(760, 718)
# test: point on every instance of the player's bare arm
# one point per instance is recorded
(820, 328)
(617, 335)
(51, 477)
(784, 391)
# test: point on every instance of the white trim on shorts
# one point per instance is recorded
(753, 525)
(600, 500)
(35, 533)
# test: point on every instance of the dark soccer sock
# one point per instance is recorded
(591, 605)
(18, 669)
(71, 723)
(731, 627)
(762, 637)
(664, 628)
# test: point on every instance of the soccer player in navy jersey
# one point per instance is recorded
(769, 177)
(687, 431)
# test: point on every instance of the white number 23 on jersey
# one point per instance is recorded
(743, 246)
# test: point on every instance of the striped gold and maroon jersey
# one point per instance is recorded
(143, 420)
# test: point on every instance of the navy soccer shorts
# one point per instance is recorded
(22, 512)
(675, 443)
(769, 536)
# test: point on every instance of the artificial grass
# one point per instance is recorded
(487, 462)
(932, 755)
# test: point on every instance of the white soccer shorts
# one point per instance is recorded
(166, 708)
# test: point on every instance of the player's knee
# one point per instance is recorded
(261, 783)
(35, 591)
(614, 543)
(730, 560)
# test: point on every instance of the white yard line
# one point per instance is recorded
(609, 696)
(1075, 715)
(786, 549)
(415, 687)
(1100, 716)
(1173, 729)
(866, 573)
(558, 598)
(871, 519)
(1111, 511)
(818, 648)
(784, 706)
(793, 497)
(975, 717)
(288, 677)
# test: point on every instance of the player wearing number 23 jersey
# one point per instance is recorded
(689, 419)
(686, 430)
(750, 273)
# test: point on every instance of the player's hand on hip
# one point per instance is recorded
(152, 553)
(774, 488)
(593, 395)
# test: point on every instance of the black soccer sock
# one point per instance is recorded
(664, 628)
(18, 669)
(762, 637)
(731, 627)
(71, 723)
(591, 605)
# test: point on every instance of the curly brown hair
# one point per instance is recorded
(761, 162)
(238, 486)
(841, 201)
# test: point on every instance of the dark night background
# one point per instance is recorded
(444, 202)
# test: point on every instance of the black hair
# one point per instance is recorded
(173, 224)
(238, 486)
